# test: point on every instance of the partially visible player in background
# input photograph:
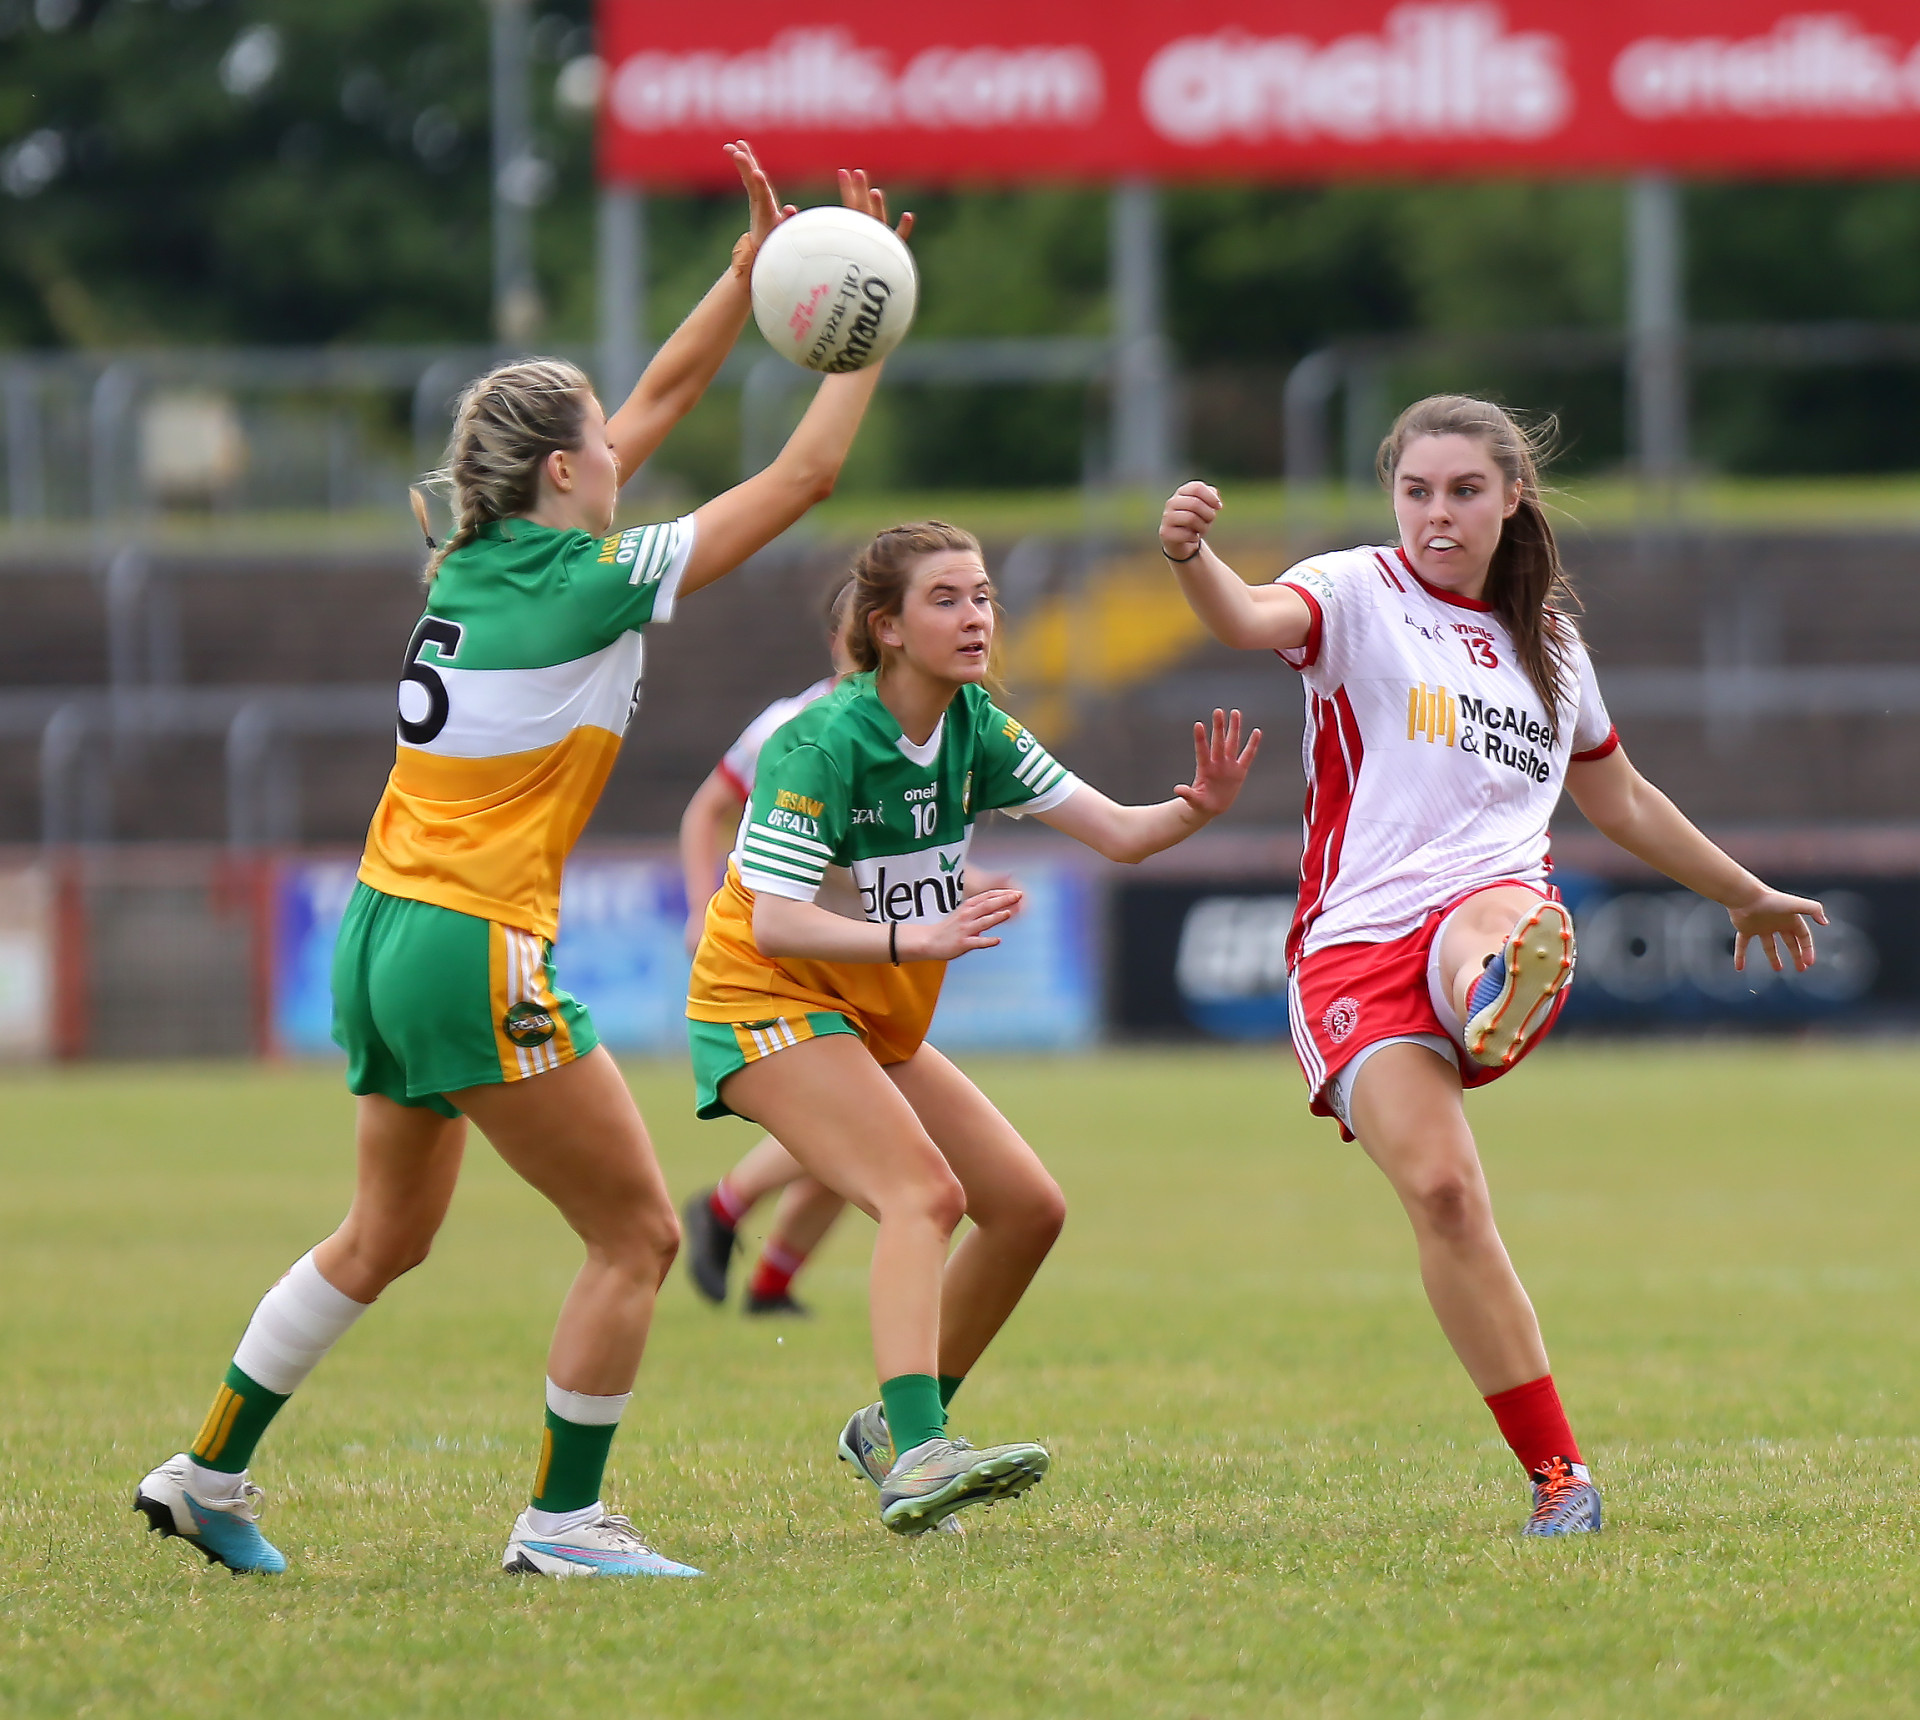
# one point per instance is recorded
(711, 1218)
(814, 1025)
(518, 686)
(1449, 699)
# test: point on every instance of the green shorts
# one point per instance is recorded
(427, 1002)
(723, 1048)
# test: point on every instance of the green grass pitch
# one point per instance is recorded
(1274, 1492)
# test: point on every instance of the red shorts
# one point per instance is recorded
(1348, 996)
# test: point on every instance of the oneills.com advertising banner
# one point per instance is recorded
(997, 92)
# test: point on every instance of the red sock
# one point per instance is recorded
(771, 1277)
(1533, 1423)
(727, 1206)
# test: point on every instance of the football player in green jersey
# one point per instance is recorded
(814, 1025)
(518, 686)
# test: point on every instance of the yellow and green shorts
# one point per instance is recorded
(427, 1001)
(723, 1048)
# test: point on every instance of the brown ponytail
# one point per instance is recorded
(505, 424)
(1527, 586)
(883, 571)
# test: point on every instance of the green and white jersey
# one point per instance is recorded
(840, 785)
(519, 683)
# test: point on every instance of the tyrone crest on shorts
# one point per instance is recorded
(1341, 1018)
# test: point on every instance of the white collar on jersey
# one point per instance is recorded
(929, 750)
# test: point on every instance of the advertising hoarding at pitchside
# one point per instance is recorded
(997, 92)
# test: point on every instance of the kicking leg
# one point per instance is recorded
(1504, 956)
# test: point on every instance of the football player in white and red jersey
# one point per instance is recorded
(1449, 701)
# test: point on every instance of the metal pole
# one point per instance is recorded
(1143, 367)
(26, 467)
(518, 176)
(1656, 330)
(107, 409)
(622, 289)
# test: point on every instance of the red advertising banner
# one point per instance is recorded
(1000, 92)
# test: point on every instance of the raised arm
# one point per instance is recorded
(751, 515)
(1130, 833)
(1247, 617)
(1630, 812)
(691, 357)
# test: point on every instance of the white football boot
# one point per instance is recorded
(608, 1546)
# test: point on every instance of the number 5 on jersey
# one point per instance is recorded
(445, 637)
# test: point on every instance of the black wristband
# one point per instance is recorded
(893, 942)
(1181, 560)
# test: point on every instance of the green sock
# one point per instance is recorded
(949, 1385)
(914, 1412)
(241, 1410)
(573, 1458)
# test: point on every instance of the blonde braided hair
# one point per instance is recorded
(505, 424)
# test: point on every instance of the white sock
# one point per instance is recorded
(585, 1411)
(562, 1522)
(298, 1321)
(214, 1483)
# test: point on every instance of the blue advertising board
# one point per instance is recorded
(1208, 957)
(622, 951)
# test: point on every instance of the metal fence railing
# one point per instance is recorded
(107, 437)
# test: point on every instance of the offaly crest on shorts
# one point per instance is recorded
(527, 1024)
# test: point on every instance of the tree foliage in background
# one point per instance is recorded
(286, 171)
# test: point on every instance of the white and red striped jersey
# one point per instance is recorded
(1431, 766)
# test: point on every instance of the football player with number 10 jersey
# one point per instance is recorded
(814, 1025)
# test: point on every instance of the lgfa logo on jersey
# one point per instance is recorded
(1431, 712)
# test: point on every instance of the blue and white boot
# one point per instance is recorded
(604, 1546)
(1565, 1500)
(1512, 1001)
(226, 1527)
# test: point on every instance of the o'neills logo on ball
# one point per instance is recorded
(859, 306)
(527, 1024)
(1342, 1017)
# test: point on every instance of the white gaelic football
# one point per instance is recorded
(834, 289)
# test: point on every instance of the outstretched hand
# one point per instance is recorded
(1776, 916)
(765, 211)
(1220, 764)
(965, 929)
(1187, 518)
(856, 193)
